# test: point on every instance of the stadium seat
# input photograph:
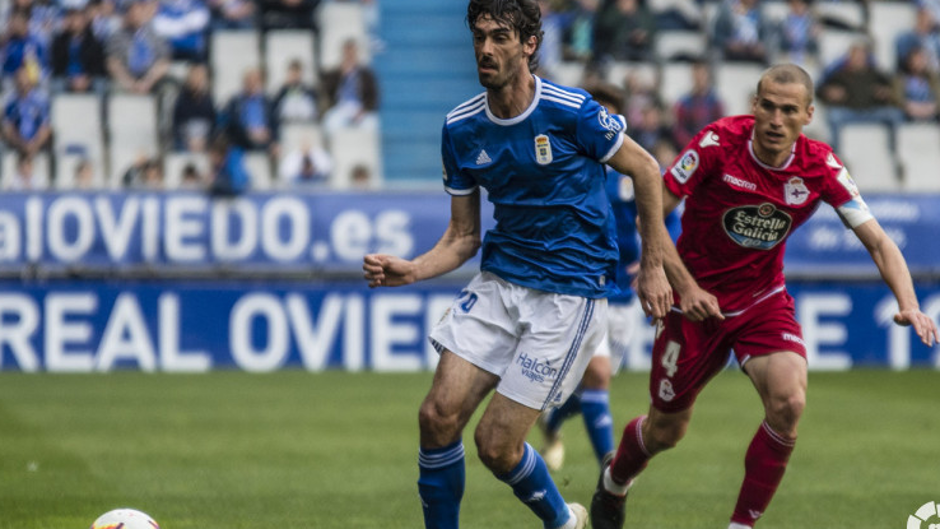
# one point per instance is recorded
(775, 10)
(866, 151)
(175, 162)
(619, 71)
(834, 44)
(675, 44)
(258, 166)
(351, 147)
(233, 52)
(675, 82)
(736, 84)
(918, 149)
(65, 166)
(338, 22)
(818, 128)
(132, 130)
(294, 135)
(281, 47)
(40, 170)
(78, 130)
(568, 73)
(851, 15)
(886, 20)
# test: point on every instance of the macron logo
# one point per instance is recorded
(737, 182)
(483, 158)
(709, 140)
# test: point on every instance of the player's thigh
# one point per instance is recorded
(558, 337)
(458, 387)
(685, 356)
(598, 373)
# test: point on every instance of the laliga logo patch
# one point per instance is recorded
(543, 150)
(686, 166)
(846, 180)
(795, 191)
(608, 122)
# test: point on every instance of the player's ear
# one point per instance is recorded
(530, 45)
(809, 114)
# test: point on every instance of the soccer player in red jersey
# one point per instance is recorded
(748, 182)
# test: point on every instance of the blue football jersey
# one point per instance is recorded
(543, 171)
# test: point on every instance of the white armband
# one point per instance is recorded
(855, 212)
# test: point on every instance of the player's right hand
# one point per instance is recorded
(382, 270)
(698, 305)
(654, 292)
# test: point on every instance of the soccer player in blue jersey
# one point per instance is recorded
(592, 398)
(528, 323)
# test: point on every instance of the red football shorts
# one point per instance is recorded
(687, 354)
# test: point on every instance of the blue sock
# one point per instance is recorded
(595, 407)
(441, 484)
(533, 485)
(558, 415)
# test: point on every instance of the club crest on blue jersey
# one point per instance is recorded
(609, 122)
(795, 191)
(543, 150)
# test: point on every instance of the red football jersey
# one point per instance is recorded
(739, 211)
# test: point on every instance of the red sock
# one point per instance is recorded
(632, 455)
(764, 465)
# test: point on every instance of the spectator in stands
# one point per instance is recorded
(26, 117)
(145, 174)
(228, 176)
(24, 177)
(232, 14)
(679, 14)
(624, 30)
(249, 118)
(194, 112)
(309, 166)
(352, 92)
(191, 179)
(105, 20)
(78, 56)
(923, 35)
(917, 88)
(740, 31)
(183, 25)
(296, 101)
(288, 14)
(84, 177)
(137, 58)
(858, 92)
(22, 49)
(579, 39)
(361, 178)
(553, 29)
(652, 128)
(698, 108)
(799, 35)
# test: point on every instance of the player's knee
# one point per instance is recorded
(784, 412)
(494, 454)
(435, 421)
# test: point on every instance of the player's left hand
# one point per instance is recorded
(654, 292)
(925, 327)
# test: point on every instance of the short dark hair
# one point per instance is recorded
(608, 95)
(787, 74)
(524, 16)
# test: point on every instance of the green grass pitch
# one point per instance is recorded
(232, 450)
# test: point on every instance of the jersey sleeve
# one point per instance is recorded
(842, 194)
(694, 163)
(456, 182)
(599, 133)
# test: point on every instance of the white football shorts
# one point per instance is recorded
(539, 343)
(622, 321)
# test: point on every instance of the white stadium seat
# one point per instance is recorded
(568, 73)
(78, 131)
(866, 151)
(259, 168)
(675, 82)
(40, 170)
(886, 20)
(132, 129)
(233, 53)
(281, 47)
(735, 84)
(351, 147)
(619, 71)
(679, 44)
(340, 21)
(918, 149)
(834, 44)
(294, 135)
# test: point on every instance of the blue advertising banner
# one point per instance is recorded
(173, 232)
(100, 326)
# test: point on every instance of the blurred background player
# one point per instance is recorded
(749, 181)
(526, 325)
(592, 398)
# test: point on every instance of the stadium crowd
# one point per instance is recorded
(274, 125)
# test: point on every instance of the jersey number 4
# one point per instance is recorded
(670, 360)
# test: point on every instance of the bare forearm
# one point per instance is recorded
(451, 251)
(894, 272)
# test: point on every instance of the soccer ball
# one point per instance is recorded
(124, 519)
